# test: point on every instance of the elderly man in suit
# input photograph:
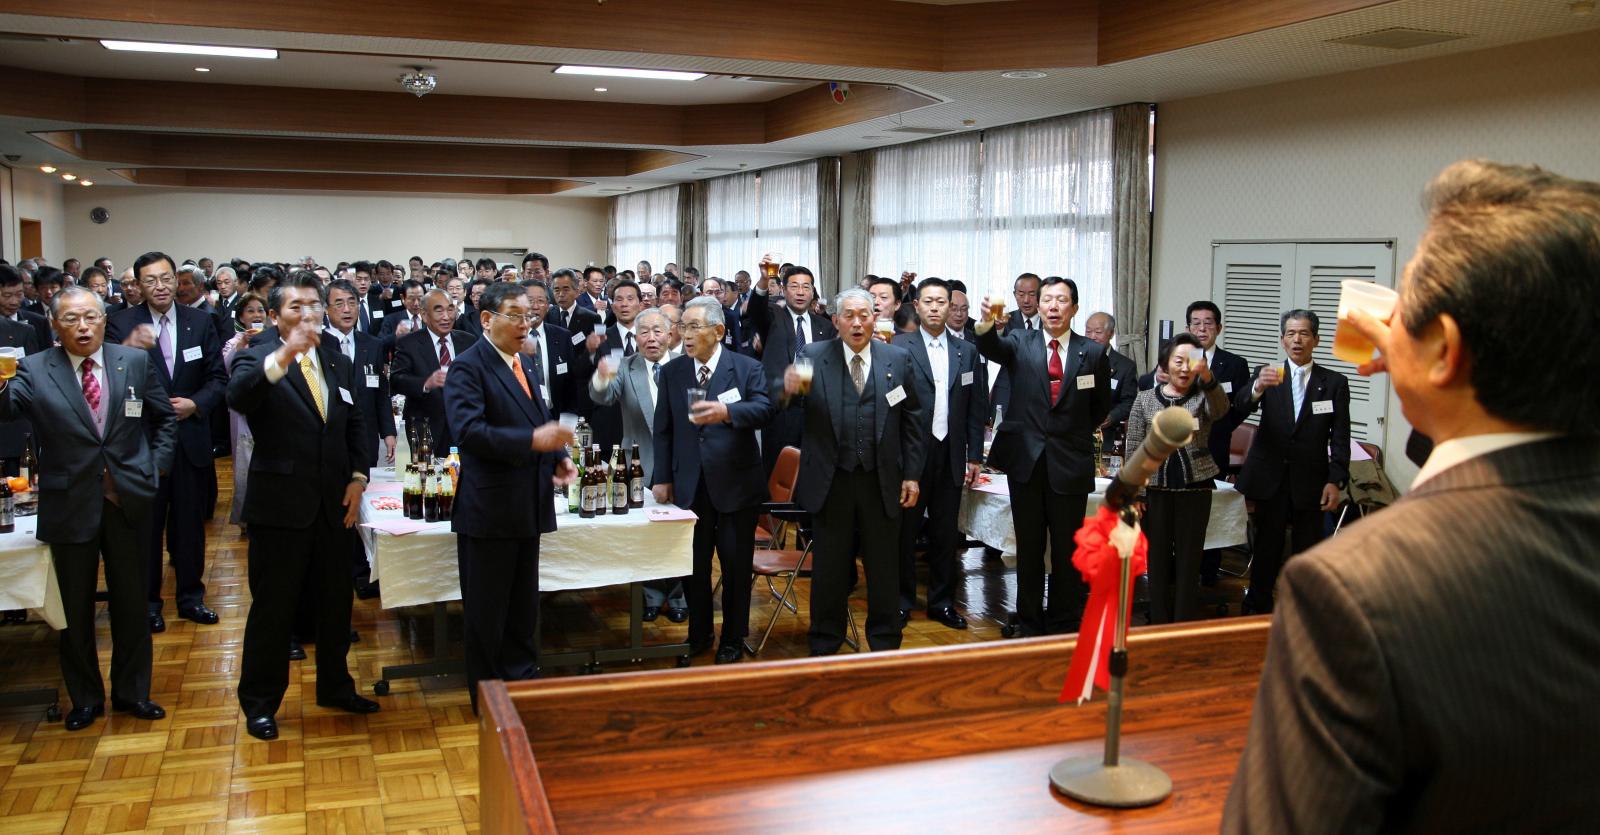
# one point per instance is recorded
(702, 462)
(1300, 459)
(785, 329)
(371, 393)
(860, 468)
(106, 433)
(186, 349)
(307, 474)
(956, 402)
(513, 454)
(565, 311)
(1061, 394)
(1102, 328)
(635, 387)
(422, 363)
(1432, 669)
(561, 364)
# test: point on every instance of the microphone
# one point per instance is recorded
(1172, 428)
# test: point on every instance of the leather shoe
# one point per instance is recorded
(262, 727)
(296, 652)
(82, 717)
(677, 615)
(352, 704)
(157, 623)
(650, 613)
(366, 590)
(905, 617)
(1210, 580)
(949, 617)
(729, 654)
(144, 709)
(697, 647)
(199, 614)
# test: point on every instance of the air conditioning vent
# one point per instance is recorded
(1399, 37)
(921, 131)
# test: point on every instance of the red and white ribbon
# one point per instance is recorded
(1097, 559)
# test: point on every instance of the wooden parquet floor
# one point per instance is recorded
(411, 768)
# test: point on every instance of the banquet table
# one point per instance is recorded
(415, 564)
(28, 581)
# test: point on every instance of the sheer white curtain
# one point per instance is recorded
(789, 214)
(984, 209)
(645, 227)
(733, 218)
(749, 215)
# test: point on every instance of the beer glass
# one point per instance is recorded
(804, 370)
(8, 362)
(1377, 301)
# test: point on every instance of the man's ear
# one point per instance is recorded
(1445, 351)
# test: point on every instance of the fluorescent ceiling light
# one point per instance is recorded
(190, 49)
(624, 72)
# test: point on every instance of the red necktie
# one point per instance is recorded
(1056, 371)
(91, 388)
(444, 352)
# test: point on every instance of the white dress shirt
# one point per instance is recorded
(347, 343)
(865, 355)
(716, 356)
(939, 361)
(1460, 450)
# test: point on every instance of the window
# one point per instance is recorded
(646, 228)
(749, 215)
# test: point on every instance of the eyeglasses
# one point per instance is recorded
(71, 320)
(691, 328)
(343, 304)
(517, 319)
(312, 309)
(160, 280)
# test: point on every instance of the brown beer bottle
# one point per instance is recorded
(413, 494)
(8, 508)
(619, 480)
(447, 494)
(587, 488)
(430, 495)
(636, 480)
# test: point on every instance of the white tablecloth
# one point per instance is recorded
(27, 576)
(986, 516)
(418, 568)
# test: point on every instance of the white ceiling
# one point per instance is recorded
(1283, 54)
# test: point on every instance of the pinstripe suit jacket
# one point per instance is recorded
(1436, 668)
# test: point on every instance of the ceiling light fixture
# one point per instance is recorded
(85, 182)
(191, 49)
(625, 72)
(202, 69)
(69, 177)
(1023, 74)
(599, 89)
(48, 169)
(419, 82)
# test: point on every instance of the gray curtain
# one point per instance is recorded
(696, 247)
(828, 223)
(689, 235)
(862, 243)
(611, 232)
(1131, 205)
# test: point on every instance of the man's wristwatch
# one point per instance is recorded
(359, 477)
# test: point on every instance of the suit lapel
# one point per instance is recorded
(827, 374)
(639, 378)
(330, 375)
(1071, 365)
(502, 372)
(72, 389)
(919, 354)
(883, 376)
(952, 374)
(116, 390)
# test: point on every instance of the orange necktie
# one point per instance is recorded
(516, 368)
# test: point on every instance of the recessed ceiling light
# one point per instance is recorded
(191, 49)
(874, 137)
(599, 89)
(69, 177)
(202, 69)
(1024, 74)
(85, 182)
(48, 169)
(625, 72)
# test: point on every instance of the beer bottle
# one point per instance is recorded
(430, 495)
(588, 491)
(575, 489)
(413, 496)
(636, 480)
(426, 452)
(619, 480)
(447, 494)
(29, 466)
(8, 508)
(602, 484)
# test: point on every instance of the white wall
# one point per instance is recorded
(36, 196)
(1347, 156)
(331, 227)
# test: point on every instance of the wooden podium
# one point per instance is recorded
(939, 739)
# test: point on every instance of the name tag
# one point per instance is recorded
(133, 408)
(544, 392)
(1115, 384)
(191, 354)
(372, 381)
(730, 396)
(966, 378)
(396, 302)
(1085, 381)
(577, 339)
(1227, 388)
(344, 394)
(1322, 407)
(376, 314)
(895, 395)
(561, 368)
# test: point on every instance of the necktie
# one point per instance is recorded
(1299, 390)
(627, 350)
(1056, 370)
(705, 376)
(858, 373)
(311, 383)
(91, 389)
(655, 373)
(940, 389)
(366, 317)
(522, 377)
(799, 334)
(348, 344)
(444, 351)
(1027, 324)
(561, 318)
(165, 338)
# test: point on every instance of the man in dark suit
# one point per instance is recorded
(1300, 459)
(404, 320)
(714, 288)
(702, 462)
(1233, 372)
(14, 434)
(186, 352)
(306, 479)
(1025, 317)
(863, 455)
(1102, 328)
(106, 431)
(12, 296)
(591, 293)
(785, 329)
(563, 365)
(1432, 668)
(619, 336)
(1062, 394)
(513, 453)
(365, 353)
(565, 311)
(421, 363)
(955, 402)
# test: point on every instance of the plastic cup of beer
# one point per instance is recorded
(772, 265)
(883, 329)
(1375, 300)
(8, 362)
(997, 308)
(804, 370)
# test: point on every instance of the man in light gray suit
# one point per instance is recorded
(1433, 669)
(634, 385)
(105, 429)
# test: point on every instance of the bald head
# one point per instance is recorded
(1101, 327)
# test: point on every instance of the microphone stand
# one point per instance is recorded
(1111, 780)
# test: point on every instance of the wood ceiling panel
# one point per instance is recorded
(303, 181)
(814, 110)
(1135, 28)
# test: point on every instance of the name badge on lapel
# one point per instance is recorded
(895, 395)
(344, 394)
(372, 381)
(577, 338)
(376, 314)
(133, 407)
(1085, 381)
(966, 378)
(561, 368)
(1115, 384)
(191, 354)
(1322, 407)
(730, 396)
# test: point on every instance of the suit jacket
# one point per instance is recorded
(197, 373)
(607, 420)
(724, 456)
(582, 319)
(630, 391)
(902, 428)
(1033, 426)
(968, 404)
(569, 371)
(1432, 669)
(390, 322)
(1233, 373)
(1124, 387)
(415, 360)
(73, 454)
(377, 412)
(16, 335)
(1001, 396)
(300, 460)
(469, 320)
(733, 335)
(776, 328)
(1301, 454)
(41, 326)
(505, 490)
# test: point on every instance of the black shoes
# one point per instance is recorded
(697, 647)
(352, 704)
(158, 624)
(650, 613)
(949, 617)
(729, 653)
(145, 709)
(366, 590)
(677, 615)
(262, 727)
(1210, 580)
(904, 617)
(296, 652)
(82, 717)
(199, 614)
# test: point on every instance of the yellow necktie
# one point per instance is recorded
(311, 383)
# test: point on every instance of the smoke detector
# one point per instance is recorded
(419, 82)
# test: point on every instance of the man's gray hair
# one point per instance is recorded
(225, 269)
(711, 306)
(853, 294)
(1111, 321)
(69, 291)
(649, 313)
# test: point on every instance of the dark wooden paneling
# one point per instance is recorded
(512, 794)
(813, 109)
(1019, 35)
(304, 181)
(1135, 28)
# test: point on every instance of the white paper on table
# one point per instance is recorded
(401, 527)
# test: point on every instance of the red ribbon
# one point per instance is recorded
(1096, 558)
